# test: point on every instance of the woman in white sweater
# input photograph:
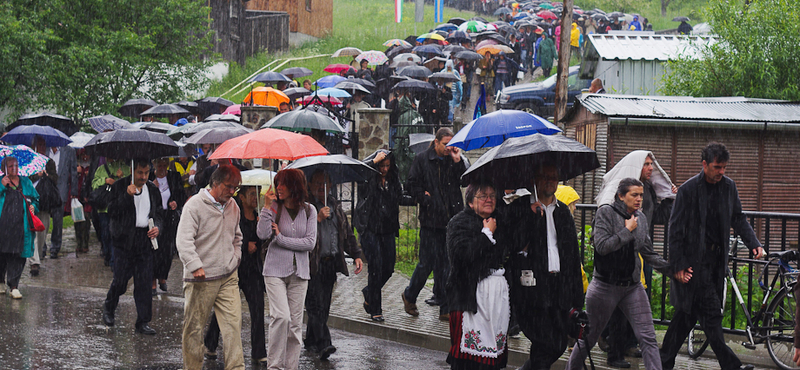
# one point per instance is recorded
(290, 225)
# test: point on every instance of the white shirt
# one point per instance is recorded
(163, 187)
(218, 205)
(553, 261)
(142, 204)
(54, 156)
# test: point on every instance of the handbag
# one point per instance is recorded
(36, 224)
(102, 196)
(48, 194)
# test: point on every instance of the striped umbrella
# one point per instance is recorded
(397, 42)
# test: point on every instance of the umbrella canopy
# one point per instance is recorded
(329, 81)
(296, 92)
(270, 78)
(546, 14)
(135, 107)
(303, 120)
(235, 109)
(296, 72)
(153, 126)
(444, 76)
(456, 20)
(458, 36)
(415, 85)
(321, 99)
(502, 11)
(492, 129)
(406, 56)
(447, 27)
(191, 106)
(512, 164)
(336, 68)
(351, 86)
(429, 51)
(429, 36)
(398, 50)
(332, 91)
(397, 42)
(24, 135)
(108, 123)
(193, 128)
(419, 142)
(164, 110)
(269, 143)
(373, 57)
(131, 143)
(213, 104)
(681, 19)
(56, 121)
(415, 72)
(472, 26)
(79, 139)
(495, 49)
(265, 95)
(339, 167)
(546, 6)
(28, 161)
(468, 55)
(485, 43)
(217, 135)
(257, 177)
(348, 51)
(223, 117)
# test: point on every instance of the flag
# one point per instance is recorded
(398, 11)
(438, 11)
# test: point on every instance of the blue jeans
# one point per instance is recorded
(499, 80)
(432, 258)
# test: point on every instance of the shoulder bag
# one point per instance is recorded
(101, 197)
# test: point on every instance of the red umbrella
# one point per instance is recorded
(269, 143)
(323, 98)
(546, 14)
(336, 68)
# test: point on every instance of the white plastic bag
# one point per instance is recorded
(520, 75)
(77, 211)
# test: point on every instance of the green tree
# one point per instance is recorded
(103, 52)
(755, 56)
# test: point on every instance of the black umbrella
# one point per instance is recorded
(154, 127)
(456, 20)
(303, 120)
(56, 121)
(213, 104)
(351, 86)
(164, 110)
(444, 76)
(297, 72)
(270, 78)
(193, 128)
(419, 142)
(135, 107)
(339, 167)
(468, 55)
(616, 15)
(681, 19)
(511, 165)
(454, 48)
(191, 106)
(391, 53)
(415, 72)
(296, 92)
(479, 19)
(429, 51)
(130, 144)
(365, 83)
(217, 135)
(223, 117)
(414, 85)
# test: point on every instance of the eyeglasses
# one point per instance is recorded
(234, 188)
(485, 197)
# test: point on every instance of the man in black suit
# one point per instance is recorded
(134, 204)
(545, 272)
(706, 208)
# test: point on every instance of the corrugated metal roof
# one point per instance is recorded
(690, 108)
(647, 46)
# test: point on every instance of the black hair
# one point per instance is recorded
(473, 189)
(715, 151)
(626, 184)
(141, 162)
(442, 133)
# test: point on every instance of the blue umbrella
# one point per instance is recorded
(334, 92)
(25, 134)
(329, 81)
(447, 27)
(492, 129)
(429, 51)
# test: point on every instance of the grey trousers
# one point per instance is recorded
(601, 300)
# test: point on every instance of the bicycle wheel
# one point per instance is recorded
(696, 343)
(779, 322)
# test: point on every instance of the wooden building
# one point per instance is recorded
(310, 17)
(241, 32)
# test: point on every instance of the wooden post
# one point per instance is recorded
(563, 63)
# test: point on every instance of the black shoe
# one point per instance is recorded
(747, 367)
(34, 270)
(155, 292)
(108, 318)
(622, 364)
(432, 301)
(634, 352)
(326, 352)
(163, 286)
(53, 256)
(145, 329)
(377, 318)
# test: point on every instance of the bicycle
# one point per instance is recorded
(773, 323)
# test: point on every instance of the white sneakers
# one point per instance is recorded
(16, 294)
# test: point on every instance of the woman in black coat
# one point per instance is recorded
(477, 291)
(172, 197)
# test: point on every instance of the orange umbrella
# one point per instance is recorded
(269, 143)
(495, 49)
(266, 96)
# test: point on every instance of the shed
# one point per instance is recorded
(310, 17)
(761, 135)
(633, 62)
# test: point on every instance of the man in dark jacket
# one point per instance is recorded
(433, 182)
(545, 271)
(136, 201)
(706, 208)
(334, 239)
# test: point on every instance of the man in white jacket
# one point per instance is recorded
(209, 243)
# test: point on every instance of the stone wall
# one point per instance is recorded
(254, 116)
(373, 130)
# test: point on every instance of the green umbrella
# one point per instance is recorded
(546, 6)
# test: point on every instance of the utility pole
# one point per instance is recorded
(563, 63)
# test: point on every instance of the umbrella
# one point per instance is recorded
(502, 10)
(444, 76)
(485, 43)
(546, 14)
(213, 104)
(297, 72)
(472, 26)
(419, 142)
(349, 85)
(417, 72)
(496, 49)
(329, 81)
(429, 36)
(415, 85)
(492, 129)
(332, 91)
(374, 57)
(217, 135)
(546, 6)
(348, 51)
(257, 177)
(153, 126)
(108, 123)
(28, 161)
(339, 167)
(365, 83)
(468, 55)
(303, 120)
(235, 109)
(135, 107)
(193, 128)
(452, 49)
(24, 135)
(188, 105)
(79, 139)
(397, 42)
(321, 99)
(270, 143)
(616, 14)
(456, 20)
(164, 110)
(511, 164)
(56, 121)
(458, 36)
(223, 117)
(447, 27)
(398, 50)
(400, 65)
(131, 143)
(428, 51)
(270, 78)
(681, 19)
(296, 92)
(406, 56)
(267, 96)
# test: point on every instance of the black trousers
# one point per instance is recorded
(318, 305)
(139, 265)
(432, 258)
(381, 254)
(11, 266)
(253, 289)
(705, 308)
(547, 330)
(162, 257)
(620, 336)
